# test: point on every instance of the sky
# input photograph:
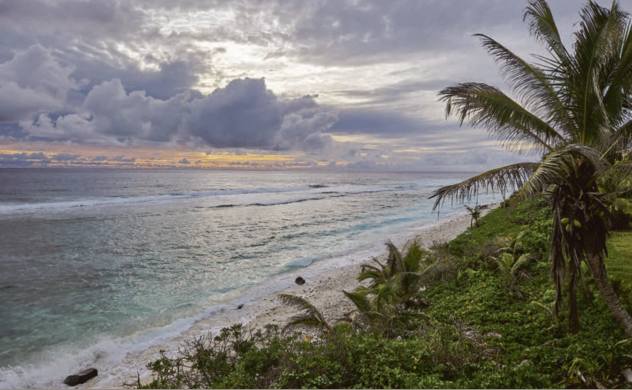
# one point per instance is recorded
(254, 84)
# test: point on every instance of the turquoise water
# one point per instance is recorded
(89, 257)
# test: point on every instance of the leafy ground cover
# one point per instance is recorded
(619, 262)
(483, 323)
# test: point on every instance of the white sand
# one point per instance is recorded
(323, 289)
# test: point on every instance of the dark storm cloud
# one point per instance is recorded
(245, 114)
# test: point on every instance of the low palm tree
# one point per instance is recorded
(310, 318)
(390, 301)
(574, 108)
(387, 304)
(475, 213)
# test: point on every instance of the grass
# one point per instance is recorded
(619, 261)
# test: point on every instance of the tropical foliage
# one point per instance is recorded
(388, 305)
(473, 333)
(511, 259)
(574, 108)
(475, 213)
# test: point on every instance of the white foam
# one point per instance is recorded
(262, 196)
(119, 359)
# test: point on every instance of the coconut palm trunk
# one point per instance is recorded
(595, 262)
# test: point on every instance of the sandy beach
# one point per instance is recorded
(323, 288)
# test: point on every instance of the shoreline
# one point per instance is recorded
(323, 288)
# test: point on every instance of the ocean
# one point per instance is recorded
(98, 263)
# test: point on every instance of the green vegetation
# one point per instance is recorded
(487, 310)
(466, 329)
(619, 261)
(571, 109)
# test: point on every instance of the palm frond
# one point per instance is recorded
(387, 292)
(413, 257)
(596, 43)
(436, 268)
(543, 27)
(532, 87)
(306, 322)
(376, 273)
(310, 318)
(620, 82)
(360, 301)
(408, 283)
(542, 306)
(485, 106)
(522, 260)
(502, 179)
(623, 134)
(504, 263)
(558, 168)
(394, 259)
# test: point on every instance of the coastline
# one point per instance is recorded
(323, 288)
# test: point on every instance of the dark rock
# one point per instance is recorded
(82, 377)
(300, 281)
(240, 306)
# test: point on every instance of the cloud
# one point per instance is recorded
(65, 157)
(70, 127)
(163, 81)
(303, 130)
(69, 17)
(245, 114)
(133, 116)
(377, 122)
(124, 159)
(184, 161)
(23, 159)
(33, 81)
(128, 73)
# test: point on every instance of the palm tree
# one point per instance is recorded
(475, 213)
(310, 318)
(574, 108)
